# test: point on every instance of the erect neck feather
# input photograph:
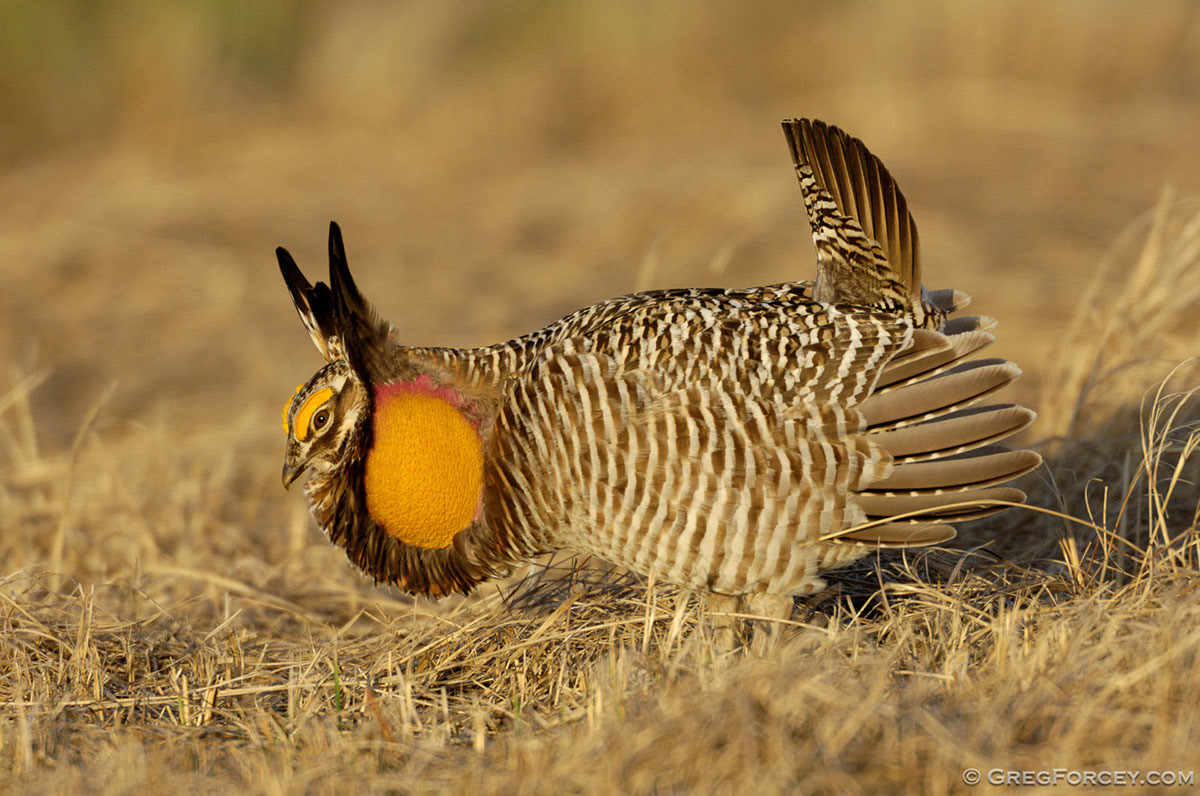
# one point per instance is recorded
(424, 471)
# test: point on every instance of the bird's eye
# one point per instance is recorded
(314, 413)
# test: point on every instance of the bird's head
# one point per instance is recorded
(320, 420)
(326, 413)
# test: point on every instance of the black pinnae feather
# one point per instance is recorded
(320, 301)
(314, 303)
(342, 281)
(343, 314)
(363, 336)
(339, 270)
(297, 284)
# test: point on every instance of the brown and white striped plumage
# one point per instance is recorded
(730, 441)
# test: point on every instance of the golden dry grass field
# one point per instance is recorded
(170, 617)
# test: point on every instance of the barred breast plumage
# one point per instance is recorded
(737, 442)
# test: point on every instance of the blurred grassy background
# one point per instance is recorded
(495, 166)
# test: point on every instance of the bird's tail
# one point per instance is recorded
(926, 408)
(868, 254)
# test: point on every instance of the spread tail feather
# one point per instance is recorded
(931, 353)
(940, 395)
(953, 434)
(897, 534)
(945, 467)
(868, 253)
(979, 468)
(925, 413)
(951, 506)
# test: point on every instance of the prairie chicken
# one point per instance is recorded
(735, 442)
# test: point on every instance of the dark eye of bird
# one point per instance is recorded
(320, 419)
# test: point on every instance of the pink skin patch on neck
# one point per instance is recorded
(421, 385)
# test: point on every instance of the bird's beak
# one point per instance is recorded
(291, 472)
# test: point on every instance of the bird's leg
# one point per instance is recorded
(768, 629)
(726, 628)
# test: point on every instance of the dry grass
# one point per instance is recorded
(170, 617)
